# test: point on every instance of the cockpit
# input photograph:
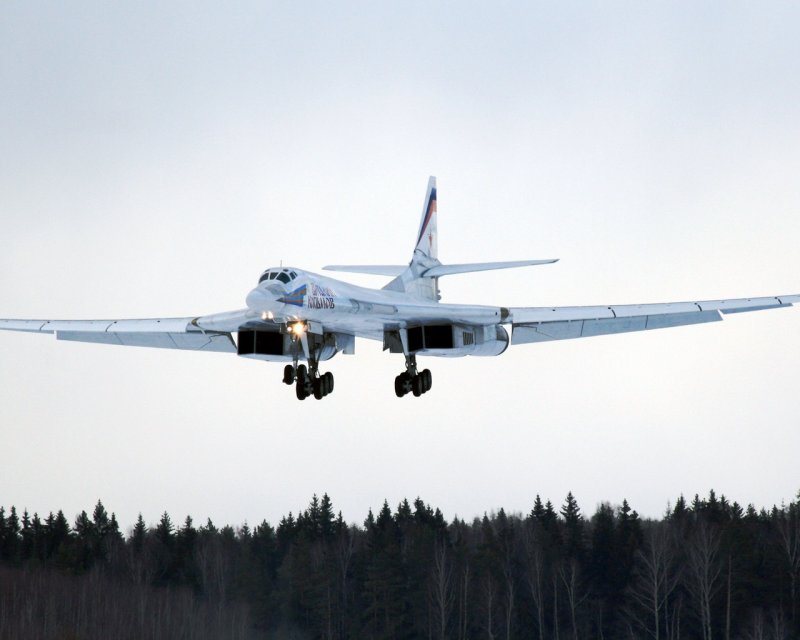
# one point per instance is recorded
(282, 275)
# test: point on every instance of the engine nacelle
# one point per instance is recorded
(450, 340)
(276, 346)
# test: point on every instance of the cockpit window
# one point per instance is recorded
(284, 275)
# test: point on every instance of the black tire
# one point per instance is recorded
(300, 389)
(319, 389)
(329, 379)
(416, 386)
(427, 379)
(288, 374)
(399, 386)
(302, 372)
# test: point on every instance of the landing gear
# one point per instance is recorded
(412, 381)
(303, 382)
(308, 381)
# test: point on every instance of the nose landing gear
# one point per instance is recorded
(412, 381)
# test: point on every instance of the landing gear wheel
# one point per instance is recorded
(288, 374)
(427, 380)
(302, 382)
(417, 386)
(328, 377)
(319, 388)
(399, 386)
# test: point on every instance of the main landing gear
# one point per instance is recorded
(412, 381)
(308, 381)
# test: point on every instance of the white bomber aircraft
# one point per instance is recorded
(297, 316)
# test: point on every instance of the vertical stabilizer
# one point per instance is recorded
(426, 253)
(427, 245)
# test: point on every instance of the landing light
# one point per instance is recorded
(267, 315)
(297, 328)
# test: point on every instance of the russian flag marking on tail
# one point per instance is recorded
(426, 239)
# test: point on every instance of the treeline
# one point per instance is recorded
(708, 569)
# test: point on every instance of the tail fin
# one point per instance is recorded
(426, 253)
(421, 277)
(427, 245)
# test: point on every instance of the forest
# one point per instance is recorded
(709, 568)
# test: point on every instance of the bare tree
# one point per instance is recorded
(344, 554)
(215, 566)
(489, 598)
(535, 572)
(655, 579)
(755, 627)
(787, 523)
(779, 628)
(569, 572)
(508, 549)
(556, 635)
(442, 593)
(463, 598)
(703, 567)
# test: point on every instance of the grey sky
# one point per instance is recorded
(155, 159)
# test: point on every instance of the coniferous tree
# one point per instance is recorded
(185, 541)
(38, 540)
(58, 539)
(26, 538)
(86, 541)
(164, 550)
(11, 542)
(386, 610)
(138, 535)
(603, 571)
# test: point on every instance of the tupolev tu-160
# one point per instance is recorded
(296, 317)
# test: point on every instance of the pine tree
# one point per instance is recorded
(26, 535)
(538, 509)
(287, 529)
(138, 535)
(164, 536)
(186, 539)
(86, 541)
(630, 539)
(11, 543)
(384, 615)
(603, 559)
(58, 538)
(326, 518)
(3, 533)
(573, 528)
(39, 542)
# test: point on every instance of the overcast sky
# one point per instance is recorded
(157, 157)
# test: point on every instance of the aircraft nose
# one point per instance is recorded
(264, 299)
(276, 288)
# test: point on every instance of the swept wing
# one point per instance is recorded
(204, 333)
(540, 324)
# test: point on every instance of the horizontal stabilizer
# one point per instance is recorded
(448, 269)
(372, 269)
